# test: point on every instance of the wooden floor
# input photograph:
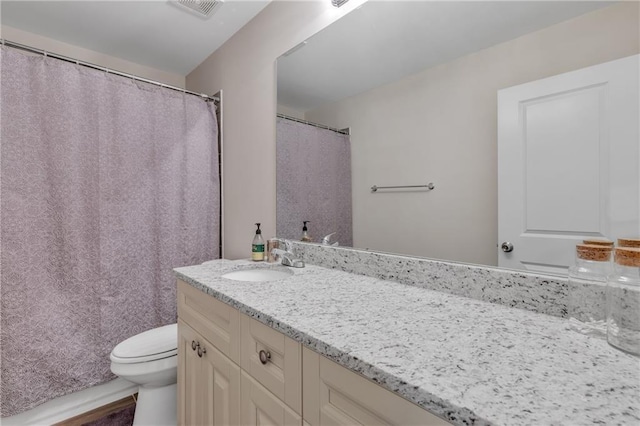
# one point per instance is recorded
(100, 412)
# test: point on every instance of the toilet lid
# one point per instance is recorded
(161, 342)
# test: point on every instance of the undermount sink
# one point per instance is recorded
(258, 274)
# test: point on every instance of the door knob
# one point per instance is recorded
(194, 345)
(507, 247)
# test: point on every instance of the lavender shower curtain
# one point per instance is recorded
(106, 184)
(313, 173)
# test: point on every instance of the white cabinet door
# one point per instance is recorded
(220, 388)
(208, 382)
(568, 160)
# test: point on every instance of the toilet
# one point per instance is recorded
(150, 360)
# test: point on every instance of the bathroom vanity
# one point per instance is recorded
(323, 346)
(253, 372)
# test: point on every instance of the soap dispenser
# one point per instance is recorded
(305, 234)
(257, 247)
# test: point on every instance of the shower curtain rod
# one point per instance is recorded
(42, 52)
(322, 126)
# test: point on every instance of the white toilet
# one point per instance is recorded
(150, 360)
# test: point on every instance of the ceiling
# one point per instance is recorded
(383, 41)
(154, 33)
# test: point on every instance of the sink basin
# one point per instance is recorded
(258, 274)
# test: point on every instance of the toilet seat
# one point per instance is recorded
(151, 345)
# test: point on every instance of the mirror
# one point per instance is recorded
(416, 84)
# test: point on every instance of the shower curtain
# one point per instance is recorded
(313, 173)
(106, 184)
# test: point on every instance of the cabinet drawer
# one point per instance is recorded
(280, 373)
(261, 407)
(334, 395)
(217, 322)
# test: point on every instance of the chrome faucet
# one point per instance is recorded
(287, 258)
(326, 241)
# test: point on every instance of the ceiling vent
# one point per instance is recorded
(338, 3)
(202, 8)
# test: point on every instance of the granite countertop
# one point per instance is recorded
(468, 361)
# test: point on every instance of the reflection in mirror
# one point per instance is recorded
(524, 116)
(313, 171)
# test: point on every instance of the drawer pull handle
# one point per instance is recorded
(194, 345)
(201, 351)
(264, 356)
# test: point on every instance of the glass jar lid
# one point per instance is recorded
(627, 256)
(593, 252)
(629, 242)
(599, 242)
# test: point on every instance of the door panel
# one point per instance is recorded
(220, 388)
(553, 140)
(568, 159)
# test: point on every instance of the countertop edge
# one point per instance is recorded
(432, 403)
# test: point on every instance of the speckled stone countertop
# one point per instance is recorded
(468, 361)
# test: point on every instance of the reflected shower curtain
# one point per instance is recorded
(313, 173)
(106, 184)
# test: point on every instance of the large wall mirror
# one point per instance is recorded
(522, 115)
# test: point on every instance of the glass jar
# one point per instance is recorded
(623, 301)
(586, 307)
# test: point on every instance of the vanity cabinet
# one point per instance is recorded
(234, 370)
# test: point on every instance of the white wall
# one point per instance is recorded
(291, 112)
(86, 55)
(244, 67)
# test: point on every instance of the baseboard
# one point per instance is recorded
(73, 405)
(99, 412)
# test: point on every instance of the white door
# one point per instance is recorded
(568, 160)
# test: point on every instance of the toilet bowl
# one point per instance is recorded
(150, 360)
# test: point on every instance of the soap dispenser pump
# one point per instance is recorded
(305, 234)
(257, 247)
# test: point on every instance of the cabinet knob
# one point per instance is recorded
(264, 356)
(194, 345)
(201, 351)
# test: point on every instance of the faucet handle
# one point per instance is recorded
(278, 252)
(327, 238)
(287, 244)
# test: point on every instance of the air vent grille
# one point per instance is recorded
(338, 3)
(203, 8)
